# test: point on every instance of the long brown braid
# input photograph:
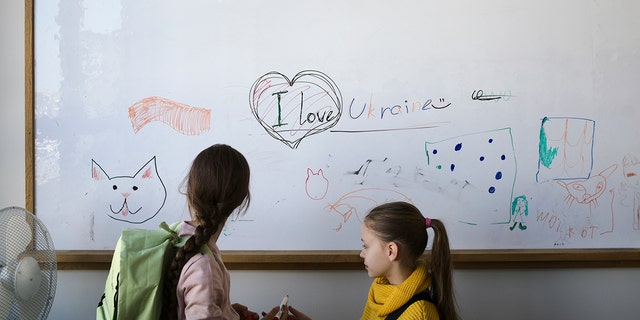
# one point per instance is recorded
(402, 222)
(217, 185)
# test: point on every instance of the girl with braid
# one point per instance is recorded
(394, 237)
(197, 284)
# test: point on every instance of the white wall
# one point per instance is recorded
(482, 294)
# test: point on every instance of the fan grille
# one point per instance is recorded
(23, 235)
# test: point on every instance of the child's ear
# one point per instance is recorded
(392, 251)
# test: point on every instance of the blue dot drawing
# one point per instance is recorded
(483, 160)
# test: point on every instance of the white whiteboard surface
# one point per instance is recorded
(492, 116)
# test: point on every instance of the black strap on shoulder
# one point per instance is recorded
(424, 295)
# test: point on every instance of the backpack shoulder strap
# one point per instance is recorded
(206, 250)
(174, 228)
(424, 295)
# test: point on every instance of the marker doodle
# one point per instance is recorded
(361, 200)
(180, 117)
(443, 105)
(587, 192)
(565, 148)
(133, 199)
(480, 96)
(316, 184)
(293, 109)
(369, 112)
(477, 168)
(631, 186)
(519, 210)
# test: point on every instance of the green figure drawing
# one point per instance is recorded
(519, 210)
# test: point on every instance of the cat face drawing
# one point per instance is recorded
(316, 185)
(588, 191)
(133, 199)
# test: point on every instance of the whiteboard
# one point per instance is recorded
(514, 123)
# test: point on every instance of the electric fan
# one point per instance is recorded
(28, 268)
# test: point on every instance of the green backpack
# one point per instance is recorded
(133, 289)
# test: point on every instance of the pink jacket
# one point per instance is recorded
(203, 288)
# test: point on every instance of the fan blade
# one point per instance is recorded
(28, 278)
(6, 301)
(17, 237)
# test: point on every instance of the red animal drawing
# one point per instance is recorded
(631, 174)
(316, 185)
(587, 192)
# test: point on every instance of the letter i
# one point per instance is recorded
(279, 93)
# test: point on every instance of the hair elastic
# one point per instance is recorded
(427, 222)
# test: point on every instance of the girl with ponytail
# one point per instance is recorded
(394, 237)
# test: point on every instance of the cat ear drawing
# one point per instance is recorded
(133, 199)
(97, 173)
(316, 184)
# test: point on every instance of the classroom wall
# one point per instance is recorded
(482, 294)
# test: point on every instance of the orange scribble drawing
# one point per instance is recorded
(359, 201)
(183, 118)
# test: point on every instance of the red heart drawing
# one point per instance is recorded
(291, 110)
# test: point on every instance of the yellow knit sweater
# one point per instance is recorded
(385, 298)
